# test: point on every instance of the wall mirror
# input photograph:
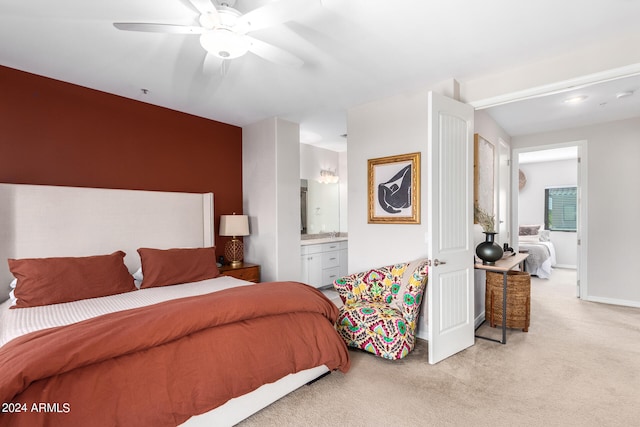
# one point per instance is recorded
(319, 207)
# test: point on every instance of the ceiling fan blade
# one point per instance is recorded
(273, 53)
(159, 28)
(204, 6)
(272, 14)
(209, 16)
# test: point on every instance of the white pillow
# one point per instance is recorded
(529, 239)
(137, 277)
(12, 295)
(545, 236)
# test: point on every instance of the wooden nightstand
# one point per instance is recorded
(246, 271)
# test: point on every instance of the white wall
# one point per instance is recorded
(344, 191)
(613, 175)
(392, 126)
(314, 159)
(531, 203)
(271, 189)
(387, 127)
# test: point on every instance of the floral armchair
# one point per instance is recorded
(381, 308)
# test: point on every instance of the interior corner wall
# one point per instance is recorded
(56, 133)
(271, 188)
(314, 159)
(392, 126)
(490, 130)
(613, 203)
(344, 191)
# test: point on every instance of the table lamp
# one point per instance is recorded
(234, 225)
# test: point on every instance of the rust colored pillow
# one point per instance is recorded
(44, 281)
(163, 267)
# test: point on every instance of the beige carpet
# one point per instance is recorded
(579, 365)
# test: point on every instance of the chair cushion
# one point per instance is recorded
(377, 328)
(379, 284)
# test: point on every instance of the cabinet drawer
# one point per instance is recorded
(311, 249)
(330, 259)
(331, 246)
(250, 274)
(329, 275)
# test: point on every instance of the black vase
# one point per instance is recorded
(489, 251)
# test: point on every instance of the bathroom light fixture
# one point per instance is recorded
(575, 99)
(328, 177)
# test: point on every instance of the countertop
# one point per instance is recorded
(322, 240)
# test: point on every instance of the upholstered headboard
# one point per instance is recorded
(47, 221)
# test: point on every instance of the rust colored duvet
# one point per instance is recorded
(161, 364)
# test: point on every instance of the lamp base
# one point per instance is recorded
(234, 252)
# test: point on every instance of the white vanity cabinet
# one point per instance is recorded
(322, 263)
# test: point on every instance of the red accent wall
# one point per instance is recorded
(56, 133)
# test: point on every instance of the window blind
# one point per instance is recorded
(560, 208)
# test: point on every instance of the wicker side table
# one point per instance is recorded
(518, 299)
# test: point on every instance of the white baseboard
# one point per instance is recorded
(567, 266)
(613, 301)
(479, 319)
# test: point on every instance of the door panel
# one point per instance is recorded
(450, 221)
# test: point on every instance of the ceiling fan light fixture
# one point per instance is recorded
(225, 44)
(624, 94)
(575, 99)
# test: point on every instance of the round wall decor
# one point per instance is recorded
(523, 179)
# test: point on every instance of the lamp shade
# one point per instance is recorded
(234, 225)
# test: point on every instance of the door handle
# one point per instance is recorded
(437, 262)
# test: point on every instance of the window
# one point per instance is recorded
(560, 207)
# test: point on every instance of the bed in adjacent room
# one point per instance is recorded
(534, 240)
(120, 316)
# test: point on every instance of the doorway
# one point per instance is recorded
(570, 160)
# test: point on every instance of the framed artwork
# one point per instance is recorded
(483, 171)
(394, 189)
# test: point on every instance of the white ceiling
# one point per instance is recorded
(563, 153)
(354, 51)
(551, 112)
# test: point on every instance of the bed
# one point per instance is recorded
(206, 350)
(542, 254)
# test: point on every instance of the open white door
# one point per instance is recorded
(450, 290)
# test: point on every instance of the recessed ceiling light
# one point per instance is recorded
(624, 94)
(575, 99)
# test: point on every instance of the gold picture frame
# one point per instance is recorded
(394, 189)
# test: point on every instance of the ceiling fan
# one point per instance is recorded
(224, 30)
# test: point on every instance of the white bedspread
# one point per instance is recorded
(17, 322)
(542, 257)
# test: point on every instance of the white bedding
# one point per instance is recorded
(17, 322)
(542, 258)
